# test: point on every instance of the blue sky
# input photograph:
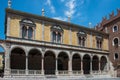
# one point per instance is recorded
(81, 11)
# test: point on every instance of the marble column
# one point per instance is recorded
(42, 68)
(56, 67)
(91, 67)
(70, 66)
(26, 65)
(81, 66)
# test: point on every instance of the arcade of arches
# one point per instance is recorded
(50, 63)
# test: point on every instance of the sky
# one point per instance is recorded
(81, 12)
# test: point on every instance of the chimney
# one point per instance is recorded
(43, 12)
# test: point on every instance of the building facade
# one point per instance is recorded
(37, 45)
(111, 26)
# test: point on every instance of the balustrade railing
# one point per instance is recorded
(104, 72)
(34, 72)
(64, 72)
(76, 72)
(18, 72)
(60, 72)
(95, 72)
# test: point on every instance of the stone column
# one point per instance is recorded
(99, 67)
(91, 67)
(81, 66)
(27, 65)
(42, 68)
(7, 70)
(70, 66)
(56, 66)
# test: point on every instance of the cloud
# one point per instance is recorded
(51, 6)
(62, 0)
(72, 7)
(60, 18)
(71, 4)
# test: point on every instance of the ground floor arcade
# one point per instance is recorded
(51, 63)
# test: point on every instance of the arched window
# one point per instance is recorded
(99, 40)
(116, 56)
(57, 32)
(81, 38)
(115, 42)
(27, 28)
(30, 33)
(115, 28)
(24, 32)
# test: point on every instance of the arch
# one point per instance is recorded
(95, 63)
(86, 64)
(63, 61)
(34, 59)
(49, 63)
(103, 63)
(116, 41)
(17, 58)
(115, 28)
(76, 62)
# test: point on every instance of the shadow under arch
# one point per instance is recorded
(49, 63)
(86, 64)
(17, 58)
(76, 62)
(34, 59)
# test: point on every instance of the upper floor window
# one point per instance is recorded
(27, 29)
(116, 56)
(57, 33)
(115, 28)
(81, 38)
(115, 42)
(99, 41)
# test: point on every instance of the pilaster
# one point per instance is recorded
(7, 60)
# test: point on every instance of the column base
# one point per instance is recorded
(56, 73)
(42, 72)
(70, 72)
(7, 73)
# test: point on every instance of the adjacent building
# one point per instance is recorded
(111, 26)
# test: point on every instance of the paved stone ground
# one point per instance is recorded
(38, 78)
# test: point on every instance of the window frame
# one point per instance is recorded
(58, 30)
(113, 28)
(28, 23)
(114, 42)
(115, 56)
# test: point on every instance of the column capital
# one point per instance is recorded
(8, 45)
